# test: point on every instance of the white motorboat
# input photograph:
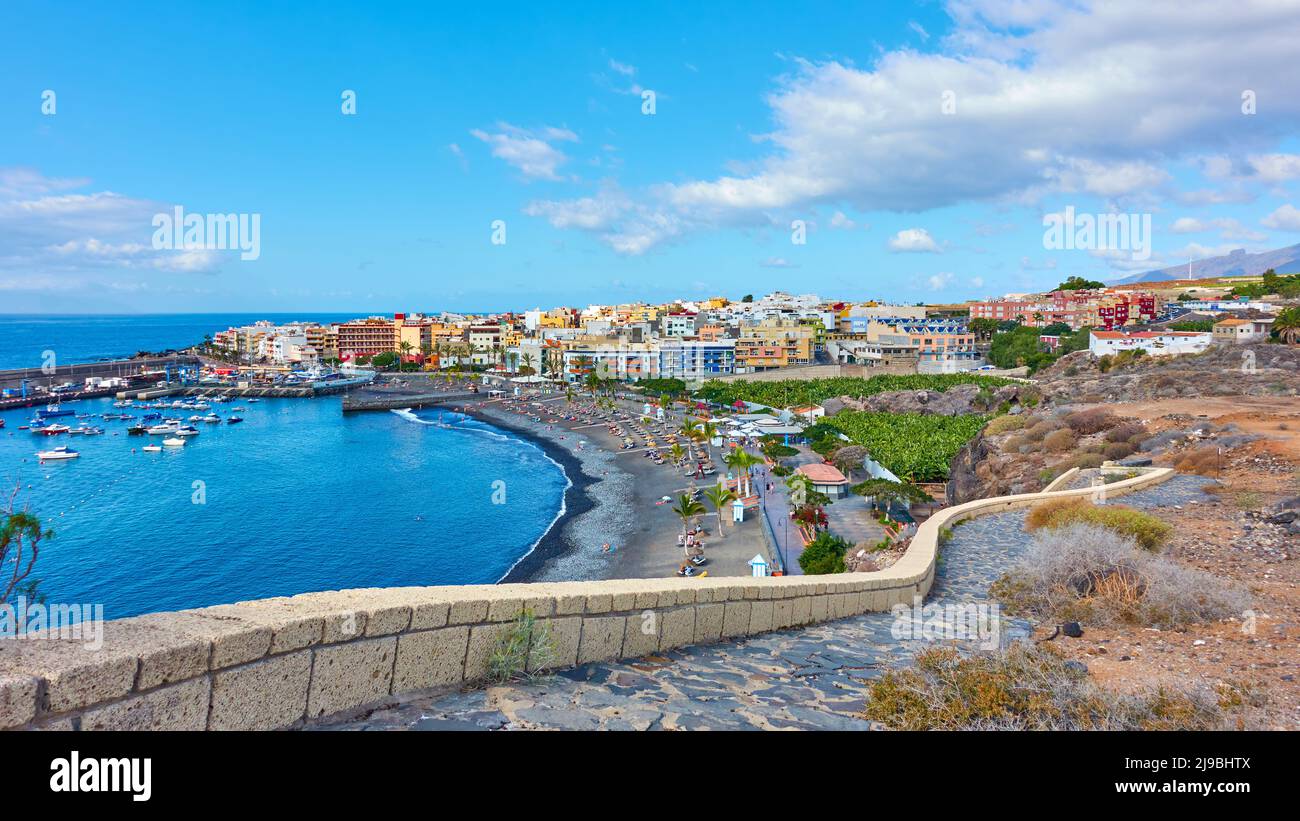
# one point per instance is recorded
(174, 443)
(166, 427)
(62, 452)
(187, 430)
(52, 430)
(211, 417)
(152, 448)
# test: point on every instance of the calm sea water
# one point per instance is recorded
(80, 338)
(297, 498)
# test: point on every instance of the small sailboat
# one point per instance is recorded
(62, 452)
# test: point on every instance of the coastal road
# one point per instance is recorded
(776, 507)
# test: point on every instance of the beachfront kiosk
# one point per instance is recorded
(738, 511)
(758, 564)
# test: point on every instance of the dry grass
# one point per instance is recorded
(1087, 573)
(1004, 424)
(1059, 441)
(1149, 532)
(1094, 420)
(1204, 461)
(1025, 687)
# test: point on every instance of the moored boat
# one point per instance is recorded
(174, 443)
(61, 452)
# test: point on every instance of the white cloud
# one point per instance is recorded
(1051, 96)
(622, 68)
(913, 240)
(940, 281)
(839, 220)
(1188, 225)
(778, 262)
(1229, 228)
(46, 227)
(529, 151)
(1285, 218)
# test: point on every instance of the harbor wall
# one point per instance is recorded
(283, 662)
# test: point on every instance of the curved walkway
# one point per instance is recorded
(809, 678)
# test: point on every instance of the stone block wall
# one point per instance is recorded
(278, 663)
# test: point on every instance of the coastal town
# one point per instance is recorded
(779, 436)
(920, 368)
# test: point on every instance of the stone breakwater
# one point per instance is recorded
(279, 663)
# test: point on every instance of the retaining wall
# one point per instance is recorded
(277, 663)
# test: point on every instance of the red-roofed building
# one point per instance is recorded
(1155, 343)
(825, 479)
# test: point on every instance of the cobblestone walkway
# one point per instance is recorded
(804, 678)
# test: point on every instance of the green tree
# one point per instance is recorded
(21, 538)
(1079, 283)
(1286, 327)
(721, 498)
(824, 555)
(686, 509)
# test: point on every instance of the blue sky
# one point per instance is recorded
(831, 114)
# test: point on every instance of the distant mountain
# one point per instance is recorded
(1237, 263)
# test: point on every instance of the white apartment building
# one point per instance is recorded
(1162, 343)
(624, 361)
(694, 360)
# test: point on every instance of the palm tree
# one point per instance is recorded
(687, 508)
(513, 358)
(426, 350)
(1287, 326)
(404, 349)
(528, 361)
(708, 431)
(677, 452)
(720, 497)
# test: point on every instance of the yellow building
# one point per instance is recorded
(774, 343)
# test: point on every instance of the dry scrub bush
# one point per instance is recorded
(1087, 422)
(1118, 450)
(1125, 432)
(1149, 532)
(1040, 430)
(1086, 460)
(1203, 461)
(1059, 441)
(1091, 574)
(1025, 687)
(1004, 424)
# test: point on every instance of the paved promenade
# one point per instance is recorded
(807, 678)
